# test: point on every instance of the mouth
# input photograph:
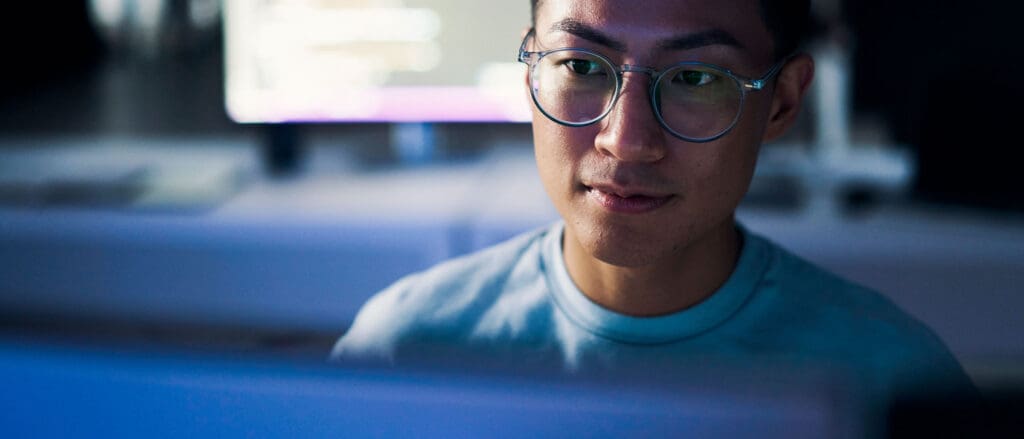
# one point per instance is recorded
(626, 200)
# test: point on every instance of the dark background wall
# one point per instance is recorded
(44, 45)
(946, 76)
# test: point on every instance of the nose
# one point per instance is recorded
(631, 132)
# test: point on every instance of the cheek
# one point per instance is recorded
(731, 179)
(715, 176)
(554, 161)
(755, 117)
(558, 151)
(729, 163)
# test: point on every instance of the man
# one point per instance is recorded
(647, 122)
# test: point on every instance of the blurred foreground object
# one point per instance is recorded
(103, 392)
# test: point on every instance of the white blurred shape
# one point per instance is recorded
(371, 24)
(502, 82)
(108, 13)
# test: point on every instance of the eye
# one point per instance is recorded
(583, 66)
(695, 78)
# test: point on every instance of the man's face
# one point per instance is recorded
(630, 192)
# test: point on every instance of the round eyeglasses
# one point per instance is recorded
(694, 101)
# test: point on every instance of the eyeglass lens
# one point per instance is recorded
(574, 87)
(694, 101)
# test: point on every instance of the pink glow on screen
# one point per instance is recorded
(409, 104)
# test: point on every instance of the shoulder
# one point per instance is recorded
(820, 294)
(854, 322)
(443, 302)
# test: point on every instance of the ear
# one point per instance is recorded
(790, 87)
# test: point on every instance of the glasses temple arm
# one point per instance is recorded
(758, 84)
(523, 54)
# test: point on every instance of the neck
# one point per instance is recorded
(669, 284)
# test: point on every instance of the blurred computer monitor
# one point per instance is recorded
(374, 61)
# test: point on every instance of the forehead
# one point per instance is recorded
(642, 25)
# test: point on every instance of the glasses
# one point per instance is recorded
(694, 101)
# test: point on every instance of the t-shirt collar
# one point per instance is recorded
(600, 321)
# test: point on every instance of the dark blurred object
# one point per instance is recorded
(113, 68)
(43, 43)
(156, 28)
(996, 415)
(282, 149)
(947, 78)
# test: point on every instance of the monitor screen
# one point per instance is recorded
(374, 60)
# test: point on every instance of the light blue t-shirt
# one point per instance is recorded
(517, 301)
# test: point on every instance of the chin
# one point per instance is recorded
(626, 246)
(625, 258)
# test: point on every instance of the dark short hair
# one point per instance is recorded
(787, 20)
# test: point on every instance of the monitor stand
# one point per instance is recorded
(282, 148)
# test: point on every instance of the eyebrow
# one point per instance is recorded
(710, 37)
(588, 33)
(695, 40)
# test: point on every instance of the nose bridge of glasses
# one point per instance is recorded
(628, 108)
(627, 68)
(631, 131)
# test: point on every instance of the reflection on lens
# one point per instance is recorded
(574, 87)
(698, 101)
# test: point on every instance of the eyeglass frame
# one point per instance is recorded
(746, 85)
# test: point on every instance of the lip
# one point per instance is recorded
(626, 200)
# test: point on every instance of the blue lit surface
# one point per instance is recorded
(54, 391)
